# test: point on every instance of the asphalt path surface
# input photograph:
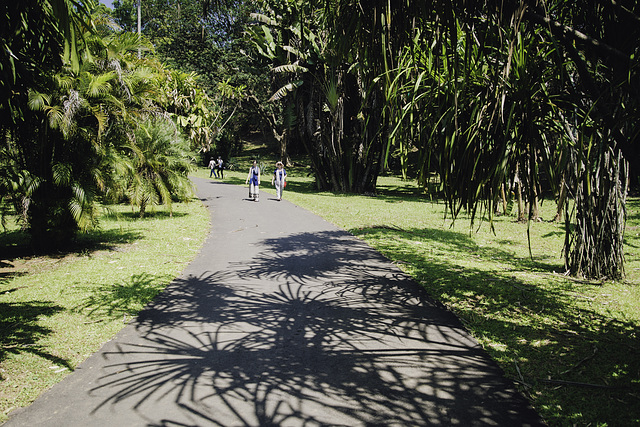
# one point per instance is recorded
(284, 319)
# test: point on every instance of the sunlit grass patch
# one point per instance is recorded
(58, 309)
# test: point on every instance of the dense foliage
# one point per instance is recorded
(206, 41)
(490, 99)
(90, 114)
(492, 102)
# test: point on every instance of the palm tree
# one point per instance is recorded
(159, 162)
(74, 119)
(35, 38)
(324, 91)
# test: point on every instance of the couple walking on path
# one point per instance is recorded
(295, 323)
(217, 167)
(279, 179)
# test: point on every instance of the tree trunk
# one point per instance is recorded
(504, 200)
(534, 211)
(562, 195)
(595, 249)
(521, 208)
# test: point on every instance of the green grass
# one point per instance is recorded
(57, 310)
(571, 346)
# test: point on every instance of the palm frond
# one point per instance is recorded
(99, 85)
(290, 68)
(259, 17)
(295, 51)
(38, 101)
(62, 174)
(286, 89)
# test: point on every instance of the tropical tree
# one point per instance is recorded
(46, 184)
(203, 40)
(325, 91)
(74, 138)
(489, 96)
(158, 163)
(35, 38)
(199, 116)
(573, 105)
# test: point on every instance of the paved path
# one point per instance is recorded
(284, 320)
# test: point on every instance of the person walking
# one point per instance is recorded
(279, 179)
(253, 179)
(212, 166)
(220, 167)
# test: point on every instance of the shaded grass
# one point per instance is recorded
(571, 346)
(57, 309)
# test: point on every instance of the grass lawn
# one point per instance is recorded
(571, 346)
(57, 310)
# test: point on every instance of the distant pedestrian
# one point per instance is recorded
(253, 179)
(212, 165)
(279, 179)
(220, 167)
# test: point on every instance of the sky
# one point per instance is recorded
(108, 3)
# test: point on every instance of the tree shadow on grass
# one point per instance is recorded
(19, 328)
(20, 331)
(455, 242)
(149, 214)
(7, 276)
(15, 244)
(126, 298)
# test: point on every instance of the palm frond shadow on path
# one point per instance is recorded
(302, 324)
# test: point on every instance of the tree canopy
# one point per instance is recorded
(533, 97)
(72, 122)
(482, 100)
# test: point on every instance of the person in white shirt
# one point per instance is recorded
(279, 179)
(213, 165)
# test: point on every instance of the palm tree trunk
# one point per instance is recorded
(504, 200)
(518, 184)
(562, 195)
(596, 249)
(534, 211)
